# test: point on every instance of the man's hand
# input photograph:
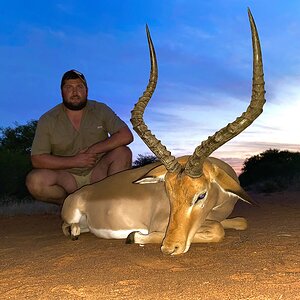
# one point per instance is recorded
(84, 159)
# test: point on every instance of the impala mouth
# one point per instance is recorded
(170, 251)
(175, 249)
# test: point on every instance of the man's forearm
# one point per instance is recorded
(121, 138)
(48, 161)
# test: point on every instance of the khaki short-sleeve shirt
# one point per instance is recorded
(56, 135)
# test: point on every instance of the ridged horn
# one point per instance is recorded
(194, 165)
(137, 120)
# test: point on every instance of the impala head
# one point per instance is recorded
(194, 184)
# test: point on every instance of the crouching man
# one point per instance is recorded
(77, 142)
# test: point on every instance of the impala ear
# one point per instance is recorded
(153, 176)
(225, 181)
(209, 170)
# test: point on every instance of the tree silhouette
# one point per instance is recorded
(143, 160)
(272, 168)
(15, 145)
(18, 138)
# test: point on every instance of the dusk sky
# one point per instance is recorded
(204, 57)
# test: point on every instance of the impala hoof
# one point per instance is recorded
(130, 238)
(66, 229)
(74, 237)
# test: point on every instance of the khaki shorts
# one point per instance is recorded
(82, 180)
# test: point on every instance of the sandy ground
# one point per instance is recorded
(263, 262)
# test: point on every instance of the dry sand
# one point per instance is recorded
(263, 262)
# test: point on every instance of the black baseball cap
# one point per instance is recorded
(72, 74)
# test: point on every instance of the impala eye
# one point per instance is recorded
(200, 197)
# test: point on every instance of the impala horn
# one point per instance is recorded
(155, 145)
(194, 165)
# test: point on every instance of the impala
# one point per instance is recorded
(177, 201)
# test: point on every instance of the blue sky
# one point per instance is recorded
(205, 65)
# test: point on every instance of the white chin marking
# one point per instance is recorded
(115, 234)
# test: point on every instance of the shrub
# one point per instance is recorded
(14, 167)
(271, 171)
(15, 145)
(143, 160)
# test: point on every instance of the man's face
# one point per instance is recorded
(74, 94)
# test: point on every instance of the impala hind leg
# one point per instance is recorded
(66, 228)
(72, 230)
(136, 237)
(237, 223)
(74, 220)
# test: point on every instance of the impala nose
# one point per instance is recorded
(173, 249)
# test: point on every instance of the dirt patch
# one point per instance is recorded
(263, 262)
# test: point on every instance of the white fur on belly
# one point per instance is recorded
(115, 234)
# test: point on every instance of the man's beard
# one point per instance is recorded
(75, 106)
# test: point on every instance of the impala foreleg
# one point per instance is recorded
(237, 223)
(209, 232)
(136, 237)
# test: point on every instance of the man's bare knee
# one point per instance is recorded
(33, 182)
(125, 155)
(41, 185)
(121, 158)
(117, 160)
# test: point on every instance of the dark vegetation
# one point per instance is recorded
(15, 144)
(270, 171)
(143, 160)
